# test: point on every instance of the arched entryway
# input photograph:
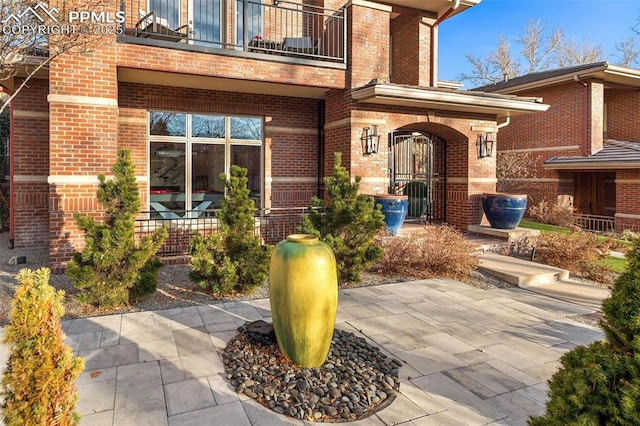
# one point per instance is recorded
(418, 168)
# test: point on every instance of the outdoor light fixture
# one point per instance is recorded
(485, 144)
(370, 140)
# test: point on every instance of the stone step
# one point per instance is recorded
(522, 273)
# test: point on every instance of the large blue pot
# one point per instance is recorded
(504, 211)
(394, 208)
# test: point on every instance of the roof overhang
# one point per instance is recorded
(439, 7)
(579, 164)
(612, 74)
(460, 101)
(162, 78)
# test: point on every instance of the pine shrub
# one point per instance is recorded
(348, 222)
(234, 260)
(600, 384)
(438, 251)
(39, 381)
(112, 266)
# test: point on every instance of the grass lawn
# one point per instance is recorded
(615, 264)
(542, 227)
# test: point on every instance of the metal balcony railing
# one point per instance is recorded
(596, 223)
(272, 225)
(297, 29)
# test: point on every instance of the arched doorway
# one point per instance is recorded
(418, 169)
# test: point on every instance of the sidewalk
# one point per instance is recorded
(471, 356)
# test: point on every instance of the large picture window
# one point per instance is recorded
(187, 154)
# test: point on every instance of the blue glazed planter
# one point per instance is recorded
(394, 209)
(504, 211)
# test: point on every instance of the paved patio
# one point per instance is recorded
(471, 356)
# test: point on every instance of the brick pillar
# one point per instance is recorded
(627, 194)
(410, 50)
(595, 129)
(30, 158)
(368, 58)
(367, 43)
(468, 177)
(83, 113)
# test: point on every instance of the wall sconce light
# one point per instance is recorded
(370, 140)
(485, 144)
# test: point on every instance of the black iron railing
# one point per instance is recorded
(272, 225)
(287, 28)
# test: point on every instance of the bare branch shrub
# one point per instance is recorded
(578, 252)
(512, 170)
(438, 251)
(552, 213)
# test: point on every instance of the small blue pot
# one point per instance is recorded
(504, 211)
(394, 209)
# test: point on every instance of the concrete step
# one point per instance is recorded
(505, 234)
(575, 292)
(522, 273)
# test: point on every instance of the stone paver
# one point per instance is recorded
(471, 356)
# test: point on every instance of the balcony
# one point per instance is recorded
(282, 31)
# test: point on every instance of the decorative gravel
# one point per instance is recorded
(356, 380)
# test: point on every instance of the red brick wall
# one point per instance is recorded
(30, 158)
(627, 196)
(622, 114)
(368, 43)
(203, 64)
(574, 126)
(468, 176)
(83, 118)
(291, 127)
(410, 50)
(596, 117)
(560, 131)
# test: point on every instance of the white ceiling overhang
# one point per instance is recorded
(440, 7)
(501, 106)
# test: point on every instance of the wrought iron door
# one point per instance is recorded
(417, 164)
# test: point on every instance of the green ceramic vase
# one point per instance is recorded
(303, 291)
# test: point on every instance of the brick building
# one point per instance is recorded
(586, 147)
(192, 87)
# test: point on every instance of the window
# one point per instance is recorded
(166, 10)
(252, 27)
(207, 19)
(187, 154)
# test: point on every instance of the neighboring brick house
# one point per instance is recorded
(586, 146)
(192, 87)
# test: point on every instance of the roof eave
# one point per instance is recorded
(591, 165)
(450, 101)
(602, 72)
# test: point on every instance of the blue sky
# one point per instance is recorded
(476, 30)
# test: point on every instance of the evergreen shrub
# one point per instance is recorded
(39, 381)
(348, 222)
(234, 259)
(112, 266)
(600, 384)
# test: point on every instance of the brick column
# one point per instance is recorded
(30, 160)
(83, 129)
(410, 51)
(367, 43)
(595, 129)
